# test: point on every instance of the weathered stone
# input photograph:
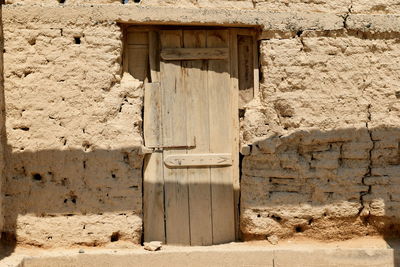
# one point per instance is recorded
(153, 245)
(273, 239)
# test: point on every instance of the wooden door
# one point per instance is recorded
(191, 122)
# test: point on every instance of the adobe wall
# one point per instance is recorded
(73, 133)
(326, 160)
(338, 6)
(323, 132)
(2, 127)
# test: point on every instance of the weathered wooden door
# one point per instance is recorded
(191, 122)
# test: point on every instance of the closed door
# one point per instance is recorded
(191, 123)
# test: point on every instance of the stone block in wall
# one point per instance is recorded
(79, 230)
(353, 150)
(340, 6)
(386, 170)
(376, 7)
(325, 187)
(377, 180)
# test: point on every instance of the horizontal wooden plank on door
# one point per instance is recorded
(206, 159)
(194, 53)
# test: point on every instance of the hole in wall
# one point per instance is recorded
(32, 41)
(8, 237)
(126, 158)
(37, 176)
(276, 218)
(23, 128)
(86, 145)
(136, 1)
(77, 40)
(61, 1)
(299, 229)
(64, 182)
(27, 73)
(114, 237)
(242, 112)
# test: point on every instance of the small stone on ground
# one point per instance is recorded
(152, 246)
(273, 239)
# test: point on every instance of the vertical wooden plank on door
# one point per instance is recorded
(153, 206)
(154, 56)
(153, 188)
(198, 125)
(235, 126)
(174, 130)
(153, 98)
(218, 81)
(138, 50)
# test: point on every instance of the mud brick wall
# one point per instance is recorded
(325, 149)
(73, 123)
(337, 6)
(323, 131)
(2, 126)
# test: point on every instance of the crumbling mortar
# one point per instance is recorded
(340, 160)
(347, 15)
(369, 172)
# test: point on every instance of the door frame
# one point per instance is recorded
(234, 87)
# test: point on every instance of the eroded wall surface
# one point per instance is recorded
(323, 130)
(325, 163)
(337, 6)
(73, 133)
(2, 126)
